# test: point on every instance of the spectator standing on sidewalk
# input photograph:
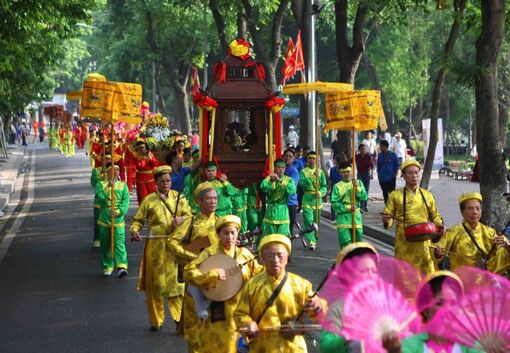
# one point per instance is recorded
(292, 137)
(293, 173)
(365, 166)
(371, 146)
(25, 131)
(399, 146)
(387, 169)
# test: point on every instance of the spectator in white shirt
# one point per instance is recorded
(292, 137)
(371, 145)
(399, 146)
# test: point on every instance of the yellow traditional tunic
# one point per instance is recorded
(220, 336)
(158, 268)
(201, 226)
(461, 249)
(287, 306)
(418, 254)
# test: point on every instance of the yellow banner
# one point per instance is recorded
(111, 101)
(74, 95)
(359, 110)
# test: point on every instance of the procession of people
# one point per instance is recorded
(263, 310)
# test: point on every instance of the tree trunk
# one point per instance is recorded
(459, 7)
(242, 29)
(503, 124)
(492, 167)
(268, 57)
(177, 76)
(348, 56)
(220, 25)
(182, 107)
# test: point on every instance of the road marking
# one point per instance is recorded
(20, 217)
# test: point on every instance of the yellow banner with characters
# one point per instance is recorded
(111, 101)
(359, 110)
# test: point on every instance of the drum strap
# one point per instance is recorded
(168, 207)
(187, 240)
(273, 296)
(482, 253)
(424, 201)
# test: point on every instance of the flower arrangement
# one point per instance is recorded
(157, 133)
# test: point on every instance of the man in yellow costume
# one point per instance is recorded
(256, 314)
(470, 243)
(218, 332)
(224, 189)
(158, 268)
(412, 205)
(186, 242)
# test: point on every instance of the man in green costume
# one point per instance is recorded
(121, 207)
(278, 187)
(223, 188)
(253, 210)
(98, 175)
(239, 207)
(341, 202)
(191, 182)
(312, 196)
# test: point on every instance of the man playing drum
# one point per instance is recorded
(158, 269)
(470, 242)
(186, 242)
(257, 317)
(218, 332)
(412, 206)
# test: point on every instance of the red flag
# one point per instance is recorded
(289, 67)
(195, 81)
(298, 54)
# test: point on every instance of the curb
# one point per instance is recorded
(10, 171)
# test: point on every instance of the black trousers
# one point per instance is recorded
(292, 217)
(387, 187)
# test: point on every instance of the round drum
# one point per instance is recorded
(420, 232)
(226, 289)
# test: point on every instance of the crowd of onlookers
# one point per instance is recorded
(382, 157)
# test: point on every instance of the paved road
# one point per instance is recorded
(53, 297)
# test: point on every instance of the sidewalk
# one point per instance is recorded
(445, 191)
(11, 168)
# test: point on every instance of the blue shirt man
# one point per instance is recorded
(292, 172)
(178, 178)
(387, 169)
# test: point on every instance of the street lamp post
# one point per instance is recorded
(311, 75)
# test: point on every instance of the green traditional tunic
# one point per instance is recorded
(418, 344)
(191, 182)
(121, 207)
(308, 183)
(96, 177)
(276, 218)
(239, 207)
(225, 191)
(252, 212)
(341, 199)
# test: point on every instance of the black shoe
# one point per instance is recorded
(365, 209)
(155, 328)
